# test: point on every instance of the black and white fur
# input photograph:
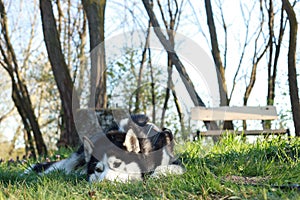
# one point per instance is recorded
(126, 152)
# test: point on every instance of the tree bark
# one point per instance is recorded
(140, 75)
(95, 11)
(153, 97)
(272, 68)
(218, 61)
(292, 72)
(61, 74)
(270, 95)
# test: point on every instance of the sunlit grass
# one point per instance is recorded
(231, 169)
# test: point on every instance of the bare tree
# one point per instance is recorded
(176, 61)
(141, 69)
(153, 96)
(171, 25)
(292, 72)
(244, 48)
(273, 60)
(257, 56)
(217, 59)
(81, 56)
(95, 11)
(271, 73)
(255, 60)
(20, 94)
(61, 74)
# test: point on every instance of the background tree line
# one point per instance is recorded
(41, 69)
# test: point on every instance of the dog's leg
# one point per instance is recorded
(67, 165)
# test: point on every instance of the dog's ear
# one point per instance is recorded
(131, 142)
(168, 140)
(116, 136)
(88, 148)
(140, 119)
(168, 136)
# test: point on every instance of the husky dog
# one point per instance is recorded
(107, 161)
(125, 152)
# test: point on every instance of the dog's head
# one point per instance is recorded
(127, 153)
(105, 160)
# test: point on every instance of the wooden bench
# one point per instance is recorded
(226, 113)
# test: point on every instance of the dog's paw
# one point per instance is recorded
(165, 170)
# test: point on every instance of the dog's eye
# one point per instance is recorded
(117, 164)
(99, 168)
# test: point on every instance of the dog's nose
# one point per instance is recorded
(99, 168)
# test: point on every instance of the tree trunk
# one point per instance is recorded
(170, 72)
(153, 97)
(218, 61)
(170, 27)
(272, 68)
(139, 82)
(168, 89)
(271, 36)
(61, 74)
(292, 72)
(249, 88)
(95, 11)
(22, 101)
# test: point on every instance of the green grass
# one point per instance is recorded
(231, 169)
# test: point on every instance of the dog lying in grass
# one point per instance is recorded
(131, 151)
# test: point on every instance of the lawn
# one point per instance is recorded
(230, 169)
